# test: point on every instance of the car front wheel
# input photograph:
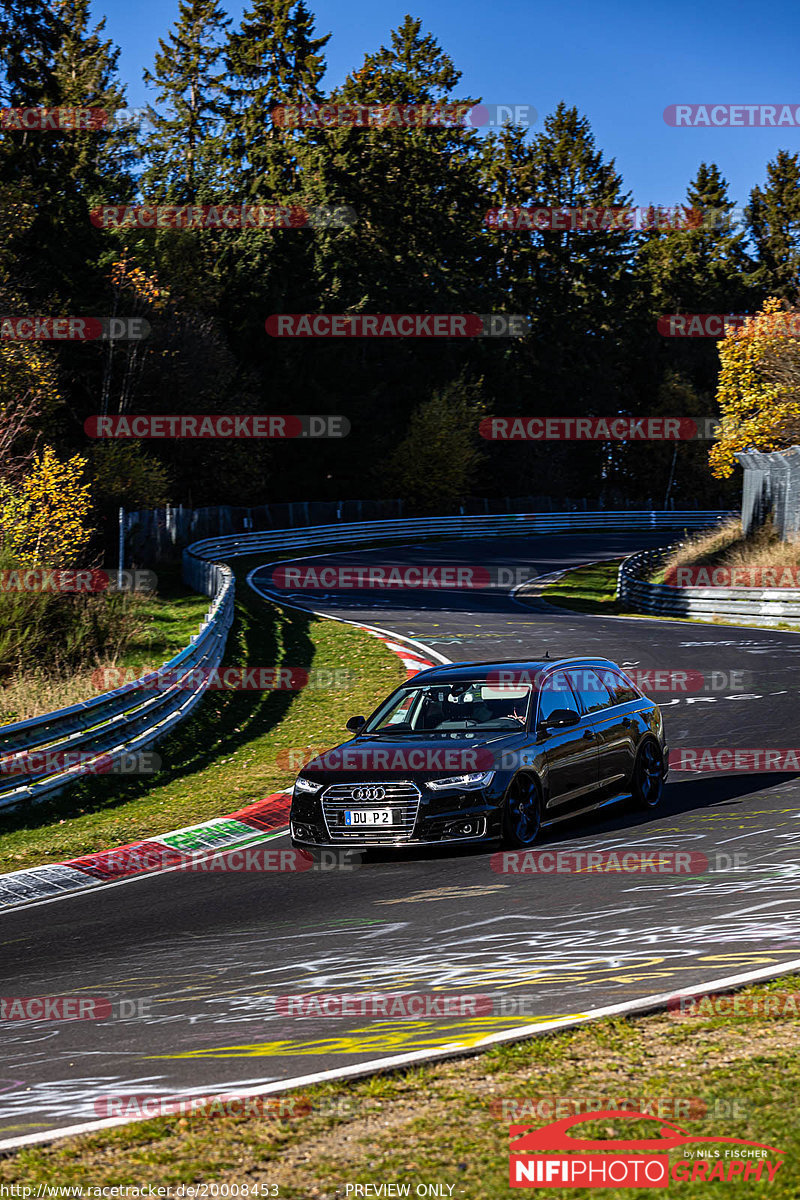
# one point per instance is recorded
(522, 812)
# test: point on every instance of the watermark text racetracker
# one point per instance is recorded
(205, 852)
(226, 1104)
(205, 425)
(732, 116)
(228, 679)
(86, 581)
(223, 216)
(403, 1006)
(301, 576)
(652, 681)
(593, 220)
(714, 1004)
(456, 759)
(80, 762)
(777, 575)
(738, 759)
(63, 120)
(72, 329)
(597, 429)
(623, 862)
(396, 325)
(336, 115)
(720, 325)
(73, 1008)
(679, 1108)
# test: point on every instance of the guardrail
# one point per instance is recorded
(522, 524)
(744, 606)
(41, 756)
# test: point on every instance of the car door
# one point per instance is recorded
(613, 722)
(571, 754)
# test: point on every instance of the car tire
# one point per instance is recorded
(647, 776)
(522, 812)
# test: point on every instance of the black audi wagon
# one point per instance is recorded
(488, 751)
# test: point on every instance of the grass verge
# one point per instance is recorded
(157, 626)
(724, 1076)
(590, 589)
(231, 752)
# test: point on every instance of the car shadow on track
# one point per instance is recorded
(681, 796)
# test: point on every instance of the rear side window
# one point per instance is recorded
(556, 693)
(592, 692)
(621, 689)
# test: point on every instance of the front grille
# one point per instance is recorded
(403, 798)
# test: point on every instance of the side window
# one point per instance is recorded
(593, 693)
(556, 693)
(621, 689)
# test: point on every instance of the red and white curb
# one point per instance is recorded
(411, 660)
(168, 851)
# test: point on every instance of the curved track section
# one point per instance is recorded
(203, 957)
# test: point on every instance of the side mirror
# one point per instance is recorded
(356, 724)
(560, 718)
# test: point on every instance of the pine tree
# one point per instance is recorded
(700, 268)
(272, 59)
(577, 287)
(773, 216)
(183, 150)
(62, 174)
(416, 195)
(29, 34)
(97, 161)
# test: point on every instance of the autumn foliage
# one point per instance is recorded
(759, 386)
(43, 517)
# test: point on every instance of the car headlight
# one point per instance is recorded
(468, 783)
(306, 785)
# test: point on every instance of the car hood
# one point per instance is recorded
(363, 758)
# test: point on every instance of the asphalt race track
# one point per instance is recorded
(209, 953)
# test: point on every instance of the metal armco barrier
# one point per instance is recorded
(514, 524)
(744, 606)
(131, 718)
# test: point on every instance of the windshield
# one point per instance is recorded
(447, 707)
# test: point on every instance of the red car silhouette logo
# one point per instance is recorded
(556, 1136)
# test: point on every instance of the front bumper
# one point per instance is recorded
(420, 817)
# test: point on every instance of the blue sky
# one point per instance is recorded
(621, 63)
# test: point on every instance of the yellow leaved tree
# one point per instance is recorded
(43, 515)
(759, 386)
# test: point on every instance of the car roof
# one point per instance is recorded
(453, 672)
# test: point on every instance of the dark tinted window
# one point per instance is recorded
(620, 688)
(556, 693)
(593, 693)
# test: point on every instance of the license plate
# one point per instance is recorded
(368, 816)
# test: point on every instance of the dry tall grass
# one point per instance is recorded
(726, 547)
(36, 692)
